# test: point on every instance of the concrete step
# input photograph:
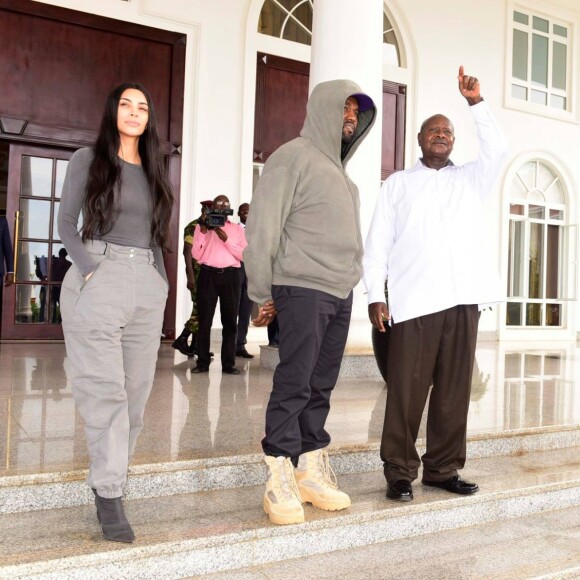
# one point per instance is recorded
(542, 546)
(215, 531)
(357, 362)
(66, 489)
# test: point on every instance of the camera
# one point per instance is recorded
(216, 218)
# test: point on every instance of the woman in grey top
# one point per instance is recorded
(113, 298)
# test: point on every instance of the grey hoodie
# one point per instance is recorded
(303, 228)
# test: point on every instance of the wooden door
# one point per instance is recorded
(31, 306)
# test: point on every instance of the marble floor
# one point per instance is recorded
(191, 417)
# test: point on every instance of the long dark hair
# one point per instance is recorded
(104, 180)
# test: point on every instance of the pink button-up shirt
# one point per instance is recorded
(208, 249)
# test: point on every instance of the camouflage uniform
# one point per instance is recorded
(192, 324)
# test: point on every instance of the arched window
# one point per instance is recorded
(537, 254)
(292, 20)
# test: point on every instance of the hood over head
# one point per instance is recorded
(324, 118)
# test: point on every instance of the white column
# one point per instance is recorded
(347, 44)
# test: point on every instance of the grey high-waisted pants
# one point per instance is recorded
(112, 329)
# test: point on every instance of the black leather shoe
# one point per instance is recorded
(400, 490)
(231, 371)
(455, 485)
(180, 344)
(242, 352)
(111, 516)
(199, 369)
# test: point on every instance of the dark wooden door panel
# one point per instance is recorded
(281, 97)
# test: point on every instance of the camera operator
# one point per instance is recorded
(218, 249)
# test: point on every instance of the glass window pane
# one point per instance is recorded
(533, 314)
(519, 92)
(514, 314)
(293, 31)
(539, 61)
(553, 314)
(537, 212)
(558, 102)
(539, 97)
(36, 176)
(540, 24)
(59, 263)
(556, 214)
(61, 165)
(516, 260)
(545, 177)
(271, 18)
(32, 262)
(527, 173)
(553, 260)
(516, 209)
(532, 365)
(520, 55)
(521, 18)
(54, 316)
(560, 30)
(34, 218)
(55, 235)
(559, 65)
(552, 365)
(536, 261)
(30, 304)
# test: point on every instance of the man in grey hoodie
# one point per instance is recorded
(303, 260)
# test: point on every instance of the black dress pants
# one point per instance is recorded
(214, 283)
(244, 311)
(313, 332)
(438, 348)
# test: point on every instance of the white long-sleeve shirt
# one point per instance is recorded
(427, 235)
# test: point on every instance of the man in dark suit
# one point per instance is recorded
(6, 258)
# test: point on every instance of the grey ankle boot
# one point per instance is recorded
(111, 516)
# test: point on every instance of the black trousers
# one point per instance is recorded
(437, 348)
(313, 332)
(244, 310)
(214, 283)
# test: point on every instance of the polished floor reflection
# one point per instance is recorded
(213, 415)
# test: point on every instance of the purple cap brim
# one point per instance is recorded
(365, 103)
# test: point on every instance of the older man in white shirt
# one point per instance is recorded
(427, 239)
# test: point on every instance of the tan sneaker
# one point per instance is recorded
(282, 499)
(317, 482)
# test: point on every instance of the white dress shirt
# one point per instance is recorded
(427, 234)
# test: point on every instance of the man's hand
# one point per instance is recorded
(469, 87)
(9, 280)
(221, 234)
(191, 283)
(266, 314)
(378, 314)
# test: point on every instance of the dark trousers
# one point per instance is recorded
(438, 348)
(313, 332)
(244, 310)
(214, 283)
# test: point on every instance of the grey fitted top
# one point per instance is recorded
(133, 224)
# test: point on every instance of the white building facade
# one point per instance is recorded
(525, 54)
